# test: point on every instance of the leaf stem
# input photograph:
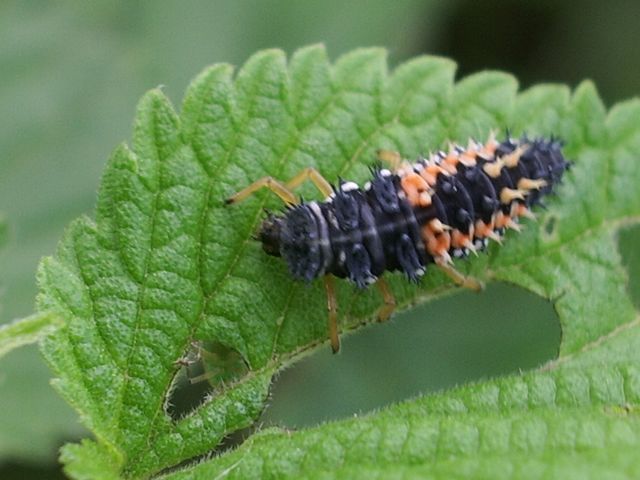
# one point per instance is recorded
(27, 330)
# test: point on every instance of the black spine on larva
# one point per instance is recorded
(367, 232)
(457, 202)
(541, 160)
(480, 190)
(361, 233)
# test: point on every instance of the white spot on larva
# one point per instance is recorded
(342, 257)
(420, 272)
(418, 167)
(458, 253)
(332, 219)
(479, 243)
(349, 186)
(385, 173)
(367, 186)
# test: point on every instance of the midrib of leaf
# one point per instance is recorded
(292, 147)
(209, 296)
(366, 140)
(335, 95)
(383, 125)
(282, 158)
(260, 205)
(602, 225)
(158, 161)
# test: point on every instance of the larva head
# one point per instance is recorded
(295, 237)
(270, 234)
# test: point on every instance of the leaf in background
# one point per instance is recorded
(164, 264)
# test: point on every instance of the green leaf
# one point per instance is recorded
(165, 264)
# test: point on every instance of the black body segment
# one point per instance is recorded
(424, 212)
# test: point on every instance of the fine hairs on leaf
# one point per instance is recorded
(164, 265)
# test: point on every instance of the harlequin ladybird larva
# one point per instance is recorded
(408, 215)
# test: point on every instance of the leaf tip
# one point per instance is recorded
(587, 92)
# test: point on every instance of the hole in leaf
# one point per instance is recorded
(206, 367)
(628, 241)
(432, 347)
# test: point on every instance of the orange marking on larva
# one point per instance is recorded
(508, 195)
(424, 199)
(513, 225)
(450, 164)
(436, 239)
(414, 185)
(461, 240)
(430, 174)
(530, 184)
(493, 169)
(437, 226)
(506, 221)
(468, 158)
(489, 148)
(502, 220)
(523, 211)
(484, 230)
(511, 160)
(429, 177)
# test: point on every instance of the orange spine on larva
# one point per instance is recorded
(478, 191)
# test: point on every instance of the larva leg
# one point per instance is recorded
(332, 307)
(389, 300)
(281, 190)
(459, 279)
(202, 377)
(391, 158)
(312, 174)
(284, 190)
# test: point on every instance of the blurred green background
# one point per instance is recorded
(72, 72)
